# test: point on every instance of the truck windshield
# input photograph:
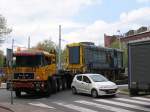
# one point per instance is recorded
(28, 61)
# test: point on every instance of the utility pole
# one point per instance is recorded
(29, 42)
(119, 39)
(59, 50)
(12, 72)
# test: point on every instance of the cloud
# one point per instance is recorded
(143, 1)
(40, 19)
(95, 32)
(139, 16)
(34, 10)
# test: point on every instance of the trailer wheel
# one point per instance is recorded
(48, 89)
(64, 84)
(18, 93)
(133, 92)
(60, 86)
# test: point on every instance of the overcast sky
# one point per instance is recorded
(81, 20)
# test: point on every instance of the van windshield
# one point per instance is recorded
(98, 78)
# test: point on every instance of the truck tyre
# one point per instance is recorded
(18, 93)
(54, 85)
(48, 89)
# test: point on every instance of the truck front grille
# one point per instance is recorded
(23, 75)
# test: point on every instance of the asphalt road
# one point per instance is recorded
(65, 101)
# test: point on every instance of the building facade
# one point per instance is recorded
(108, 40)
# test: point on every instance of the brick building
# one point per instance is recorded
(129, 36)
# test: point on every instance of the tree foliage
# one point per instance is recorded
(1, 58)
(115, 44)
(47, 45)
(4, 30)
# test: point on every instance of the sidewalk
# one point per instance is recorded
(16, 107)
(4, 109)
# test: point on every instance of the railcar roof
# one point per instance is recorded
(91, 46)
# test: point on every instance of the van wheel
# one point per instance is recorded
(18, 93)
(94, 93)
(74, 90)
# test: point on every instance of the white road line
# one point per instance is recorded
(106, 107)
(141, 98)
(133, 101)
(123, 104)
(74, 107)
(38, 104)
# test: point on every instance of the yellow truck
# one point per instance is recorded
(35, 71)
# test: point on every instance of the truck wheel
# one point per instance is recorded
(48, 89)
(18, 93)
(54, 86)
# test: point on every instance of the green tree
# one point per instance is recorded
(1, 58)
(4, 30)
(47, 45)
(116, 44)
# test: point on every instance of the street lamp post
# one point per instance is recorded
(59, 51)
(119, 39)
(12, 72)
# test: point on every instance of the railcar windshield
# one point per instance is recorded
(28, 61)
(98, 78)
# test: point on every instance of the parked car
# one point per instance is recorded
(94, 84)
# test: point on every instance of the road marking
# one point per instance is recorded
(41, 105)
(123, 104)
(141, 98)
(74, 107)
(101, 106)
(132, 101)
